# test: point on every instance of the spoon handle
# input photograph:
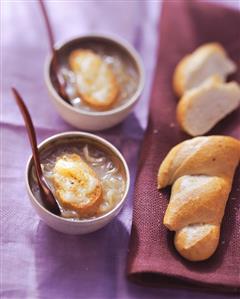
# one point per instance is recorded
(55, 62)
(48, 25)
(30, 130)
(48, 197)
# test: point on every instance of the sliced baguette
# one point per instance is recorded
(96, 83)
(77, 187)
(207, 60)
(201, 108)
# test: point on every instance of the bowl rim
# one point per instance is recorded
(113, 38)
(48, 140)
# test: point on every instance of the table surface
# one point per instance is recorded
(36, 261)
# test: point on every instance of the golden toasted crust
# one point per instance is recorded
(181, 70)
(76, 185)
(96, 82)
(201, 171)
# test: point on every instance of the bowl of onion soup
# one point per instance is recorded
(88, 177)
(103, 79)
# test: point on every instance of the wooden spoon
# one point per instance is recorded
(48, 198)
(61, 84)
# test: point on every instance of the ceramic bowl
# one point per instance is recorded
(76, 226)
(88, 119)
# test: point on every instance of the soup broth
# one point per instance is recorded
(106, 169)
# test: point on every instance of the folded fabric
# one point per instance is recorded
(152, 258)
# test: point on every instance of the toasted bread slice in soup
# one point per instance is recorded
(96, 83)
(206, 61)
(201, 108)
(76, 185)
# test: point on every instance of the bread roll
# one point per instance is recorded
(201, 171)
(207, 60)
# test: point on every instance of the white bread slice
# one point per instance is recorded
(206, 61)
(201, 108)
(95, 81)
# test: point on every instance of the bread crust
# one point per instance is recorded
(201, 248)
(68, 181)
(207, 155)
(200, 201)
(201, 173)
(178, 76)
(96, 83)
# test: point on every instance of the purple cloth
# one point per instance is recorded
(36, 261)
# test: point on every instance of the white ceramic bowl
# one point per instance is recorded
(65, 225)
(94, 120)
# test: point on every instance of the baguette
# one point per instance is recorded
(201, 171)
(76, 185)
(95, 81)
(207, 60)
(201, 108)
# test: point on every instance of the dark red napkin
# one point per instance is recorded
(152, 258)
